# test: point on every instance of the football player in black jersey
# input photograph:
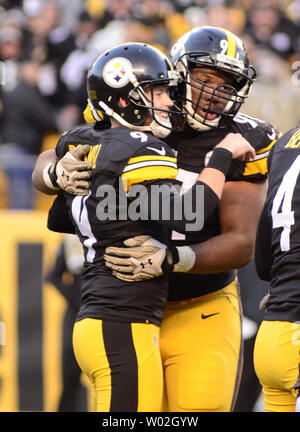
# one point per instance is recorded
(201, 330)
(276, 353)
(116, 334)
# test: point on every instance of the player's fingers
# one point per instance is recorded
(80, 151)
(119, 268)
(78, 192)
(252, 153)
(81, 175)
(113, 250)
(123, 276)
(136, 241)
(117, 260)
(132, 278)
(85, 166)
(85, 185)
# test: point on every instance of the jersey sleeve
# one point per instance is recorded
(62, 146)
(262, 136)
(257, 168)
(72, 139)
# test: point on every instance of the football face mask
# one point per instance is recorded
(210, 105)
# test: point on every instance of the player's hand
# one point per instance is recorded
(73, 174)
(238, 146)
(144, 258)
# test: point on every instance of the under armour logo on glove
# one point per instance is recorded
(144, 265)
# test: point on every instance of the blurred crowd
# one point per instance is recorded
(47, 46)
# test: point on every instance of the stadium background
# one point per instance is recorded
(46, 47)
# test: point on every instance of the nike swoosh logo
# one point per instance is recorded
(162, 152)
(209, 315)
(272, 136)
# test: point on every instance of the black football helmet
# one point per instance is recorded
(125, 71)
(221, 50)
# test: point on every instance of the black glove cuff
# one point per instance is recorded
(220, 159)
(52, 173)
(172, 258)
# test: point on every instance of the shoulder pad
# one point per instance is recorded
(82, 134)
(127, 142)
(254, 123)
(261, 134)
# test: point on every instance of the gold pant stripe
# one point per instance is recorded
(122, 360)
(241, 356)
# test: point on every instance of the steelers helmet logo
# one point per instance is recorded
(117, 71)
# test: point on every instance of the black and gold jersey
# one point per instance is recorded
(193, 149)
(278, 236)
(125, 200)
(120, 158)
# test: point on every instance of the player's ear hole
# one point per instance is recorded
(123, 102)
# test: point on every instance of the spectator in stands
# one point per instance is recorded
(275, 96)
(272, 29)
(26, 118)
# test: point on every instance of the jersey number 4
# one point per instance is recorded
(283, 199)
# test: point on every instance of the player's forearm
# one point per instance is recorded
(182, 213)
(213, 179)
(38, 181)
(227, 251)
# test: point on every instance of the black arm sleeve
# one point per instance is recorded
(161, 201)
(263, 250)
(58, 217)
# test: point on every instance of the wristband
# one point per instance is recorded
(220, 159)
(50, 177)
(186, 259)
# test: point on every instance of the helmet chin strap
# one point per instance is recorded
(197, 122)
(197, 125)
(158, 130)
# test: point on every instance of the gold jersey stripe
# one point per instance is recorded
(93, 155)
(231, 44)
(268, 148)
(150, 163)
(294, 141)
(147, 173)
(149, 158)
(258, 166)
